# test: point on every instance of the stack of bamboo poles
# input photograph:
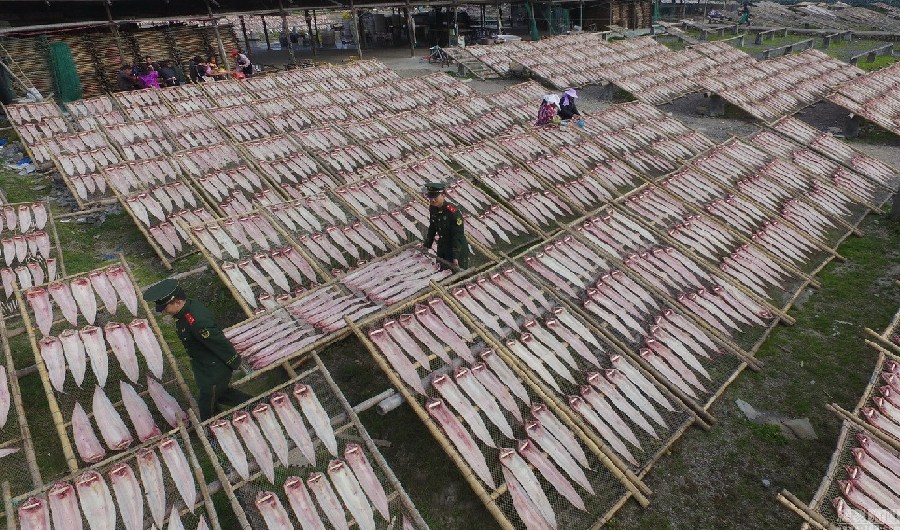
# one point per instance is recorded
(138, 463)
(63, 403)
(863, 471)
(244, 491)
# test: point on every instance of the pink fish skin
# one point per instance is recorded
(39, 301)
(89, 448)
(4, 397)
(124, 288)
(461, 439)
(272, 511)
(54, 360)
(356, 458)
(526, 509)
(148, 345)
(104, 288)
(64, 506)
(180, 471)
(123, 348)
(84, 296)
(138, 413)
(128, 495)
(96, 501)
(302, 504)
(167, 405)
(34, 515)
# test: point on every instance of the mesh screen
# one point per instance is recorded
(720, 365)
(574, 370)
(830, 489)
(29, 257)
(346, 429)
(189, 515)
(608, 489)
(82, 395)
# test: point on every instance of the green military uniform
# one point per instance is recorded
(447, 222)
(213, 357)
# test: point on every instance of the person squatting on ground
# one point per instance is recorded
(547, 110)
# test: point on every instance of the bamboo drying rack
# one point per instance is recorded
(167, 261)
(18, 409)
(179, 433)
(55, 246)
(347, 417)
(489, 499)
(561, 405)
(58, 420)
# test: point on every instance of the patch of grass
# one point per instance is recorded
(882, 61)
(766, 432)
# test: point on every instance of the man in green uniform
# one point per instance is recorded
(213, 357)
(446, 221)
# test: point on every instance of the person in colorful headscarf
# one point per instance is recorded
(567, 109)
(547, 110)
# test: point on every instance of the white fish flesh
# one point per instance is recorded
(124, 288)
(138, 413)
(64, 507)
(54, 360)
(328, 500)
(256, 444)
(84, 296)
(113, 430)
(73, 350)
(64, 300)
(96, 501)
(129, 496)
(180, 471)
(461, 439)
(228, 441)
(167, 405)
(265, 417)
(356, 459)
(39, 301)
(148, 345)
(351, 492)
(316, 416)
(445, 386)
(302, 504)
(152, 480)
(510, 460)
(122, 346)
(272, 511)
(89, 448)
(293, 425)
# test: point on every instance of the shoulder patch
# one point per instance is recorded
(204, 333)
(451, 208)
(459, 221)
(190, 319)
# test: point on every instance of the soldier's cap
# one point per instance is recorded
(433, 189)
(161, 293)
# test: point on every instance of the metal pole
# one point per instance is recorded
(581, 16)
(223, 57)
(411, 30)
(246, 39)
(266, 33)
(354, 15)
(455, 24)
(312, 42)
(499, 19)
(284, 29)
(316, 25)
(114, 29)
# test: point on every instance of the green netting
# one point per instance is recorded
(62, 67)
(7, 95)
